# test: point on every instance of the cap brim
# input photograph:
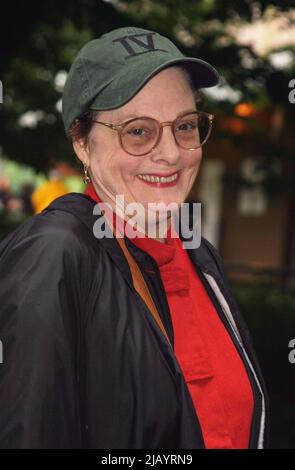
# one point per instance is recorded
(124, 87)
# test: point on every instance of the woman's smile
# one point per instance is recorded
(160, 180)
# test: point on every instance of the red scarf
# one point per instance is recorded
(213, 370)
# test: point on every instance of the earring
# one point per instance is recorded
(86, 177)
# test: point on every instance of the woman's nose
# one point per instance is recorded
(167, 149)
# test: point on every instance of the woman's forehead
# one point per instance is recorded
(167, 92)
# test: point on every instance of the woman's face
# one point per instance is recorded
(165, 97)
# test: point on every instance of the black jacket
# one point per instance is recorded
(84, 363)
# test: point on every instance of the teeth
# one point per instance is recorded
(158, 179)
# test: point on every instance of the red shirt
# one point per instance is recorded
(213, 370)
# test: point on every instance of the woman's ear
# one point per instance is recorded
(81, 149)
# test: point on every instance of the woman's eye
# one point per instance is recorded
(186, 126)
(138, 132)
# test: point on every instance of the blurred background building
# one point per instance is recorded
(247, 180)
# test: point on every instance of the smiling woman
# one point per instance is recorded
(134, 163)
(111, 144)
(116, 342)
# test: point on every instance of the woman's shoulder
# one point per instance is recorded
(65, 225)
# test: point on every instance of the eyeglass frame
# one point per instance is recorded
(119, 128)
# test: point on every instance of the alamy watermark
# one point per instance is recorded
(1, 92)
(291, 356)
(152, 221)
(291, 95)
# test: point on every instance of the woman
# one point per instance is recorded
(133, 342)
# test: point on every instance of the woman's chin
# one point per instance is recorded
(163, 199)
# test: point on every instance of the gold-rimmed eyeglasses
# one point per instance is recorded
(139, 136)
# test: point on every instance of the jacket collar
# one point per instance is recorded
(82, 206)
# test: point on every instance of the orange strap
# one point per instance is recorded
(141, 286)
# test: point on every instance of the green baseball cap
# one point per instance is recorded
(110, 70)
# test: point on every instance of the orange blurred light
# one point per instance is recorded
(244, 109)
(234, 125)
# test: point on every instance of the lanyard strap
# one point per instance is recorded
(141, 286)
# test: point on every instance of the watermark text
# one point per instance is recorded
(292, 92)
(292, 352)
(152, 220)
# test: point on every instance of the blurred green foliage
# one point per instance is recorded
(19, 175)
(270, 316)
(31, 75)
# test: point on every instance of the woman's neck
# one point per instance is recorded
(156, 230)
